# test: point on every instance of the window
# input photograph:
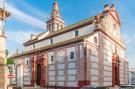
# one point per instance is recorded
(76, 33)
(71, 55)
(33, 47)
(52, 58)
(53, 27)
(51, 41)
(95, 40)
(27, 62)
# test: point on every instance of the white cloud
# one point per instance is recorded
(37, 12)
(129, 38)
(23, 17)
(19, 36)
(1, 4)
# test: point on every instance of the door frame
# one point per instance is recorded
(115, 70)
(41, 59)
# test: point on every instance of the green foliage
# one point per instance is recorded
(10, 61)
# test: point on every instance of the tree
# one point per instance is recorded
(10, 61)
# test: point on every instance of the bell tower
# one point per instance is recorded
(3, 77)
(55, 21)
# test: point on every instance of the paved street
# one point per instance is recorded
(37, 88)
(58, 88)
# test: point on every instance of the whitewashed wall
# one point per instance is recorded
(107, 62)
(94, 72)
(27, 75)
(71, 71)
(57, 70)
(71, 49)
(121, 72)
(62, 37)
(42, 43)
(26, 62)
(61, 56)
(86, 30)
(49, 57)
(91, 39)
(28, 48)
(20, 75)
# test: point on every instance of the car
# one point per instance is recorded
(100, 87)
(133, 85)
(126, 87)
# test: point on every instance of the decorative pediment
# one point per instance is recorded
(110, 9)
(115, 16)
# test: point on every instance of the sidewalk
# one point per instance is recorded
(53, 88)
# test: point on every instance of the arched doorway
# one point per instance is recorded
(38, 74)
(39, 63)
(115, 71)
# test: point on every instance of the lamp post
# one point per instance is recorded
(10, 71)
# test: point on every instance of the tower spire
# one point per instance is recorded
(55, 22)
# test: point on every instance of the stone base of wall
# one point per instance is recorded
(32, 82)
(84, 83)
(42, 83)
(3, 87)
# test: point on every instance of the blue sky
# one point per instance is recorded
(29, 17)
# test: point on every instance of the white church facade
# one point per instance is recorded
(88, 53)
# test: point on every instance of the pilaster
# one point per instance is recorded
(33, 81)
(3, 74)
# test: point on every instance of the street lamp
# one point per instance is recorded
(10, 71)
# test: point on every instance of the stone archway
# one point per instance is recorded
(39, 64)
(115, 70)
